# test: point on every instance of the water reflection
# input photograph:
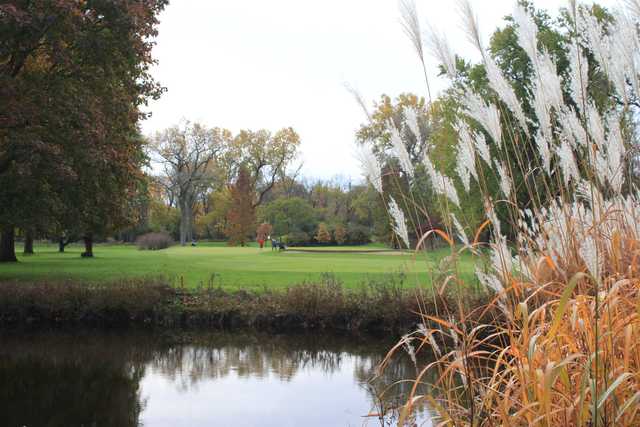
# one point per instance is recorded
(239, 379)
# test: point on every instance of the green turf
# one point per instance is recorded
(232, 268)
(361, 248)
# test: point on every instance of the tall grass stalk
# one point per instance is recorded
(563, 343)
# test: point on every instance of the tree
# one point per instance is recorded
(323, 235)
(106, 187)
(265, 156)
(8, 244)
(72, 77)
(377, 130)
(399, 132)
(340, 234)
(241, 217)
(214, 222)
(163, 218)
(28, 242)
(294, 214)
(330, 201)
(188, 154)
(63, 241)
(138, 211)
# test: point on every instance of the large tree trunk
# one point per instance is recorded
(186, 213)
(8, 245)
(62, 243)
(88, 246)
(184, 225)
(28, 242)
(190, 227)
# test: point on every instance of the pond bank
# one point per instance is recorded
(324, 306)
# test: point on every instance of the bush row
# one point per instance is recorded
(356, 235)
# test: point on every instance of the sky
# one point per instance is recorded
(256, 64)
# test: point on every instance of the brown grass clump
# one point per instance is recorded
(562, 359)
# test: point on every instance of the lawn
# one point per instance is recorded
(230, 267)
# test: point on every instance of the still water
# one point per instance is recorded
(195, 379)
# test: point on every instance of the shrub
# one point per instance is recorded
(340, 234)
(154, 241)
(127, 301)
(323, 235)
(358, 235)
(296, 238)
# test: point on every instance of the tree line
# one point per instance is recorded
(209, 184)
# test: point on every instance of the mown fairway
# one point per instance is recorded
(232, 268)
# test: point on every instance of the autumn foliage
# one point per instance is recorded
(323, 234)
(340, 234)
(264, 231)
(241, 217)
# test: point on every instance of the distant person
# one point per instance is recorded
(193, 242)
(261, 243)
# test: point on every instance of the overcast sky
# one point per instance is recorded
(250, 64)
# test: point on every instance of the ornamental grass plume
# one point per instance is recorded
(560, 342)
(399, 222)
(370, 167)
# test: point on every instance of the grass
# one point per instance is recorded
(231, 268)
(361, 248)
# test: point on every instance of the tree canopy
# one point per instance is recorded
(73, 76)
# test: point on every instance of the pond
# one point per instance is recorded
(236, 379)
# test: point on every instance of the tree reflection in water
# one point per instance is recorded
(94, 378)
